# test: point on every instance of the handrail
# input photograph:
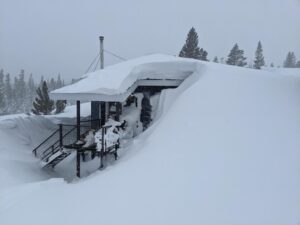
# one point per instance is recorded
(45, 156)
(34, 150)
(52, 149)
(82, 121)
(66, 137)
(72, 125)
(86, 121)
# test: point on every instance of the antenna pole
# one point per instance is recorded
(101, 38)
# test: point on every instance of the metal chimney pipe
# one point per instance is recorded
(101, 38)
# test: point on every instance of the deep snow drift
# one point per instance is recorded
(224, 151)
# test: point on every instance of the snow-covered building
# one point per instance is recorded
(111, 93)
(225, 142)
(113, 85)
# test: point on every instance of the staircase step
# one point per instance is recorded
(57, 160)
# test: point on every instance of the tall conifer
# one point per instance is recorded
(236, 57)
(259, 60)
(190, 49)
(42, 105)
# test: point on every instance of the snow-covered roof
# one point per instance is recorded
(116, 82)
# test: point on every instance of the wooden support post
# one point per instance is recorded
(78, 164)
(102, 148)
(106, 111)
(95, 114)
(118, 110)
(78, 119)
(60, 135)
(103, 113)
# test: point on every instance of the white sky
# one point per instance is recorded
(47, 37)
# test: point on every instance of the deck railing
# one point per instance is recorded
(66, 134)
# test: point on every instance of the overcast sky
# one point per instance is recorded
(47, 37)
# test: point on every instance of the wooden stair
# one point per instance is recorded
(62, 142)
(52, 163)
(51, 150)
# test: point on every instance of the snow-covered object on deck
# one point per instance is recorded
(111, 136)
(89, 139)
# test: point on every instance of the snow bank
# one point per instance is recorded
(225, 152)
(19, 134)
(285, 71)
(17, 137)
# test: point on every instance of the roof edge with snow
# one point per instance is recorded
(117, 82)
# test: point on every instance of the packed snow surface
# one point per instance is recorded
(284, 71)
(225, 150)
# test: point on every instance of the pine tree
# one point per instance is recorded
(20, 92)
(236, 57)
(259, 58)
(51, 84)
(216, 60)
(190, 49)
(60, 106)
(222, 60)
(15, 104)
(31, 92)
(42, 105)
(2, 93)
(9, 98)
(298, 64)
(146, 110)
(41, 81)
(232, 57)
(59, 82)
(290, 61)
(203, 55)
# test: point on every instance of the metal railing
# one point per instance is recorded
(46, 143)
(57, 145)
(66, 134)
